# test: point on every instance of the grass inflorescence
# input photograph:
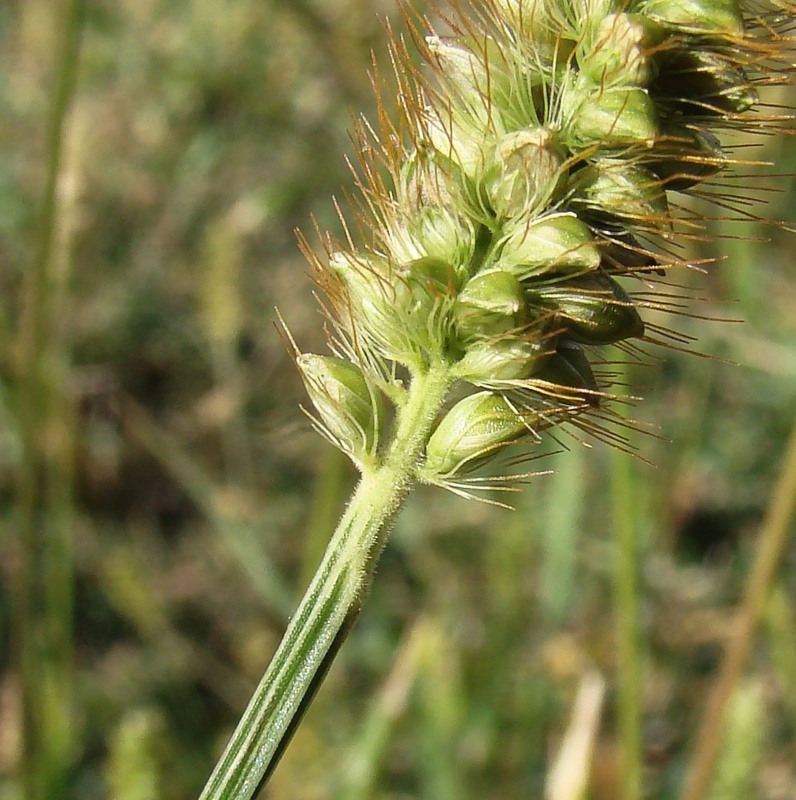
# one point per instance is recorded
(518, 206)
(522, 206)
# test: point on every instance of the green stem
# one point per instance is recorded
(330, 604)
(626, 598)
(45, 581)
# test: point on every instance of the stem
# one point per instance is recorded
(629, 656)
(331, 603)
(771, 547)
(45, 580)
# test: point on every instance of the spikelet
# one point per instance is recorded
(528, 170)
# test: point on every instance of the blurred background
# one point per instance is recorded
(156, 537)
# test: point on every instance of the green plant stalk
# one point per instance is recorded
(440, 700)
(627, 622)
(44, 589)
(331, 603)
(773, 539)
(560, 536)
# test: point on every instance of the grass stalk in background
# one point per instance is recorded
(563, 513)
(361, 769)
(45, 591)
(626, 599)
(221, 304)
(774, 536)
(743, 739)
(568, 779)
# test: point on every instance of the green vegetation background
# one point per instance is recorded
(203, 132)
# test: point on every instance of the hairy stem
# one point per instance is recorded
(331, 603)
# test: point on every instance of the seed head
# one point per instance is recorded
(523, 181)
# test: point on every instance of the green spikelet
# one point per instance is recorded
(349, 407)
(470, 433)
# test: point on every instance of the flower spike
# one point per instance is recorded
(524, 177)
